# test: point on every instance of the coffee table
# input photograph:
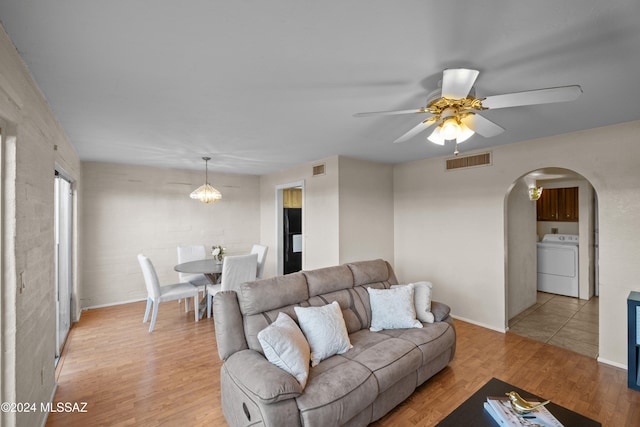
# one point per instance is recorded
(472, 414)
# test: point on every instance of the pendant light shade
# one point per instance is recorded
(450, 129)
(206, 193)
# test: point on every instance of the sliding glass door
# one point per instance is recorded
(63, 255)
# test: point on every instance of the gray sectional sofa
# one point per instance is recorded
(354, 388)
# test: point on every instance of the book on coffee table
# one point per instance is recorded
(501, 411)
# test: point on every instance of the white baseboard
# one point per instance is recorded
(612, 363)
(484, 325)
(113, 303)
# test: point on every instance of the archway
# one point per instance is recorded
(552, 317)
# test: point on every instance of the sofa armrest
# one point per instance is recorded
(440, 310)
(228, 324)
(261, 379)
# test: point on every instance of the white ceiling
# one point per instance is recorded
(264, 85)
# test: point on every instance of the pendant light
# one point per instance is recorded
(206, 193)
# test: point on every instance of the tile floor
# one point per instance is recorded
(565, 322)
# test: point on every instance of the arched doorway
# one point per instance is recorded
(552, 315)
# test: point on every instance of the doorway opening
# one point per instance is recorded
(553, 297)
(63, 217)
(289, 227)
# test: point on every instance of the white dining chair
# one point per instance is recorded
(261, 250)
(188, 253)
(157, 294)
(236, 270)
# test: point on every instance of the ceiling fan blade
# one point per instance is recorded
(422, 126)
(481, 125)
(456, 83)
(532, 97)
(391, 113)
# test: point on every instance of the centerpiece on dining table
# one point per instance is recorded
(217, 252)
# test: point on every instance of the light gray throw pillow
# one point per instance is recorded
(422, 300)
(325, 330)
(285, 346)
(392, 308)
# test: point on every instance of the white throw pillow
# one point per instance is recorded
(325, 330)
(422, 300)
(392, 308)
(285, 346)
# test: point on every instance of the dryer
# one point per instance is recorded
(558, 271)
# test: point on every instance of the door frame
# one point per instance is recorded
(279, 226)
(69, 261)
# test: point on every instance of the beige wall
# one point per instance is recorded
(347, 212)
(129, 210)
(521, 285)
(450, 226)
(366, 210)
(319, 214)
(33, 144)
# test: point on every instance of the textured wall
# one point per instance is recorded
(33, 145)
(127, 210)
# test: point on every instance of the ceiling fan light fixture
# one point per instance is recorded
(436, 136)
(450, 129)
(465, 133)
(206, 193)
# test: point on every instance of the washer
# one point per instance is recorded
(558, 264)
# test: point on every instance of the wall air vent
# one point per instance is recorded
(483, 159)
(318, 169)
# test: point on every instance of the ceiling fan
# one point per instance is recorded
(455, 108)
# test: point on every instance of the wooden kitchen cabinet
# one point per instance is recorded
(292, 198)
(547, 205)
(558, 204)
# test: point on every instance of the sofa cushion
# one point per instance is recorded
(393, 308)
(270, 294)
(353, 308)
(432, 340)
(325, 330)
(330, 279)
(285, 346)
(337, 390)
(388, 358)
(367, 272)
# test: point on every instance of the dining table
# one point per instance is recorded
(210, 268)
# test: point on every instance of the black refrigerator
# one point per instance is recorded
(292, 240)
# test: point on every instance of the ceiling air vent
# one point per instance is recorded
(483, 159)
(318, 169)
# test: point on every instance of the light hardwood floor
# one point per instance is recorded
(130, 377)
